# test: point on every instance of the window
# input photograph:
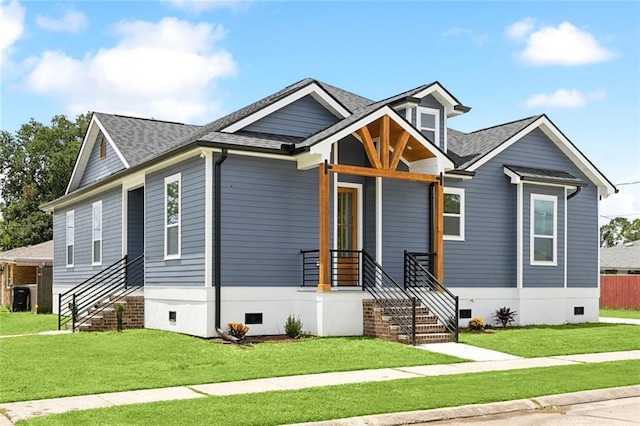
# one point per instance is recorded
(70, 237)
(172, 217)
(96, 237)
(427, 121)
(543, 230)
(103, 148)
(454, 214)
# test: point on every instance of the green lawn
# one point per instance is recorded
(558, 339)
(26, 322)
(315, 404)
(620, 313)
(88, 363)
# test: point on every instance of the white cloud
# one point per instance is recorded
(562, 45)
(625, 203)
(12, 24)
(71, 22)
(164, 70)
(519, 30)
(477, 39)
(198, 6)
(563, 98)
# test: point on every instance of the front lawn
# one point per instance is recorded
(315, 404)
(89, 363)
(620, 313)
(552, 340)
(26, 323)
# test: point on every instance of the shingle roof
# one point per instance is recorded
(532, 174)
(470, 147)
(141, 139)
(42, 252)
(625, 256)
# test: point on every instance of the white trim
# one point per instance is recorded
(208, 218)
(318, 93)
(379, 220)
(445, 146)
(605, 188)
(436, 129)
(70, 214)
(565, 237)
(441, 95)
(519, 234)
(543, 197)
(453, 175)
(94, 206)
(460, 192)
(443, 162)
(167, 180)
(358, 188)
(516, 178)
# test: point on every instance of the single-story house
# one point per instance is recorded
(323, 204)
(29, 267)
(621, 259)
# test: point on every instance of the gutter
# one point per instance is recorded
(217, 262)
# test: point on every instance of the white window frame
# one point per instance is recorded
(533, 236)
(167, 180)
(436, 131)
(69, 242)
(95, 206)
(460, 192)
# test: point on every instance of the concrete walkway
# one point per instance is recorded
(42, 333)
(15, 411)
(610, 320)
(469, 352)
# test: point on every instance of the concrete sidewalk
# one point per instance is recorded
(15, 411)
(610, 320)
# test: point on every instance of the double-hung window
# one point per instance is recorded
(543, 229)
(454, 214)
(172, 213)
(96, 237)
(70, 237)
(427, 120)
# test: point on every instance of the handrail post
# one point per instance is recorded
(59, 310)
(455, 317)
(73, 313)
(413, 321)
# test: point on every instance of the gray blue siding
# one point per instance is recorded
(269, 214)
(300, 118)
(488, 256)
(189, 269)
(98, 168)
(111, 238)
(135, 223)
(430, 102)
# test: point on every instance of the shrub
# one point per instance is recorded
(293, 326)
(119, 311)
(237, 329)
(504, 316)
(476, 324)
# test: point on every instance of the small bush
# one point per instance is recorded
(119, 311)
(476, 324)
(237, 329)
(504, 316)
(293, 326)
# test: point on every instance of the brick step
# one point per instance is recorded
(420, 319)
(406, 310)
(423, 338)
(422, 328)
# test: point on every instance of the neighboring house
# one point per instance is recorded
(620, 276)
(29, 267)
(291, 204)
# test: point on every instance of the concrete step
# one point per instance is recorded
(423, 338)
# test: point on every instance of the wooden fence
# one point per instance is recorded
(620, 291)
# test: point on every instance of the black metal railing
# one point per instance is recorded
(88, 298)
(345, 267)
(421, 284)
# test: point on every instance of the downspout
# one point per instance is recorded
(217, 263)
(577, 191)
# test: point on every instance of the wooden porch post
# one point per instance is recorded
(324, 258)
(438, 231)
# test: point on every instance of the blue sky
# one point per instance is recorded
(187, 61)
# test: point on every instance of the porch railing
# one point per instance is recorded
(421, 284)
(87, 299)
(345, 268)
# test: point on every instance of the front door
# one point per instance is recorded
(346, 272)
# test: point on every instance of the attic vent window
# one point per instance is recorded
(103, 148)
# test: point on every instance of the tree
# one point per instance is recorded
(35, 166)
(619, 231)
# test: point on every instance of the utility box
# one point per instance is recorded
(21, 299)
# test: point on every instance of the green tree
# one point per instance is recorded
(36, 163)
(619, 231)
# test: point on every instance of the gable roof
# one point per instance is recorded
(37, 253)
(623, 256)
